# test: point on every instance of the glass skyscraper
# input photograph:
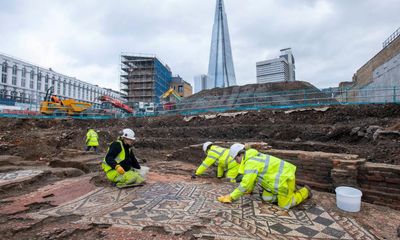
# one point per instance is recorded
(221, 72)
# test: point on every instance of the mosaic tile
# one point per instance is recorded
(9, 177)
(178, 207)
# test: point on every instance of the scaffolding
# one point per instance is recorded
(144, 78)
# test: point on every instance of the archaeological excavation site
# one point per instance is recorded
(52, 188)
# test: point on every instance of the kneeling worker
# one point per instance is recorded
(120, 162)
(275, 176)
(227, 166)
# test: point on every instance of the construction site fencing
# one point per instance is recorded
(251, 101)
(287, 99)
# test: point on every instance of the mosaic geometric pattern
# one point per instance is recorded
(8, 177)
(181, 207)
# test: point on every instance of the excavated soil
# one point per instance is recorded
(371, 131)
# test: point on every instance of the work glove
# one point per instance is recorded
(247, 146)
(120, 169)
(225, 199)
(194, 176)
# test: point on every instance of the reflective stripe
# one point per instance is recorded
(226, 159)
(269, 198)
(242, 189)
(290, 204)
(278, 176)
(205, 165)
(215, 158)
(265, 170)
(258, 159)
(250, 171)
(215, 151)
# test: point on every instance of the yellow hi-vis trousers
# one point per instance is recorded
(292, 199)
(129, 177)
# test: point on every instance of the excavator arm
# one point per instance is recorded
(116, 103)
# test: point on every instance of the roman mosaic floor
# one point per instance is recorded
(15, 176)
(192, 207)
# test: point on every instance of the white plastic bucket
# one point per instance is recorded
(348, 199)
(143, 171)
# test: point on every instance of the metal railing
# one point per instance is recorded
(256, 101)
(391, 38)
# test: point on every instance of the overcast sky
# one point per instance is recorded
(330, 39)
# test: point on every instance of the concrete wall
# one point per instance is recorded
(364, 75)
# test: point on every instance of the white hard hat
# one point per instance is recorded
(128, 133)
(206, 145)
(235, 149)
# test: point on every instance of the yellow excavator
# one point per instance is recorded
(170, 98)
(52, 105)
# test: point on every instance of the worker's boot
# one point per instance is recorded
(310, 194)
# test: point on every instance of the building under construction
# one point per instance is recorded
(144, 78)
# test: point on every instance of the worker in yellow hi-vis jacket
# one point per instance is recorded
(275, 176)
(92, 140)
(218, 156)
(120, 164)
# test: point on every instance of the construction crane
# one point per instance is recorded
(169, 103)
(54, 105)
(116, 103)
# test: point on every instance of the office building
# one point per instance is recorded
(200, 83)
(280, 69)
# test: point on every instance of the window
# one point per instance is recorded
(14, 70)
(59, 86)
(24, 72)
(4, 72)
(4, 67)
(23, 77)
(53, 83)
(46, 82)
(14, 75)
(39, 81)
(74, 91)
(32, 75)
(64, 87)
(180, 88)
(69, 89)
(4, 78)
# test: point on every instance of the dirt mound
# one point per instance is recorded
(278, 93)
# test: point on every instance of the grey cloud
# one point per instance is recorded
(330, 39)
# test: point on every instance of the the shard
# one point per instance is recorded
(221, 72)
